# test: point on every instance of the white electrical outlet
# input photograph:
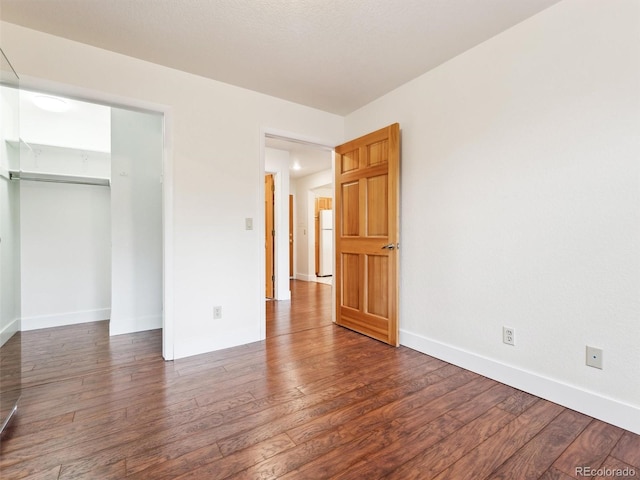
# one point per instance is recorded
(594, 357)
(508, 335)
(217, 312)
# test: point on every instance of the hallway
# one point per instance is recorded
(309, 307)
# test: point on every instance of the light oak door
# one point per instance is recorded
(367, 234)
(290, 236)
(269, 234)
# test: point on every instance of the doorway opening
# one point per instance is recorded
(323, 234)
(303, 172)
(92, 214)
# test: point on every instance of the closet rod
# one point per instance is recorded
(97, 182)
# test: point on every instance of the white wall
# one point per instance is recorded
(215, 180)
(277, 162)
(65, 228)
(136, 221)
(9, 217)
(65, 248)
(521, 206)
(304, 234)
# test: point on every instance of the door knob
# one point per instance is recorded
(389, 246)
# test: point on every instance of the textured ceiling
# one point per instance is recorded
(335, 55)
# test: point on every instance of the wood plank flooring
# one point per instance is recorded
(312, 401)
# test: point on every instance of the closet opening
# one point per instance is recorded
(91, 214)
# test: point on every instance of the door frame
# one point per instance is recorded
(280, 249)
(111, 100)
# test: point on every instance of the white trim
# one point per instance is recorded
(259, 224)
(67, 318)
(7, 332)
(138, 324)
(284, 296)
(294, 137)
(304, 277)
(167, 238)
(606, 409)
(312, 278)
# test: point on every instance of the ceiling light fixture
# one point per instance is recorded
(296, 166)
(50, 104)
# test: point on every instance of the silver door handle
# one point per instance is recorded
(389, 246)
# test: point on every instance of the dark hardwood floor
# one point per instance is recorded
(312, 401)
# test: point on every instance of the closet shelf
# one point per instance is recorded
(31, 146)
(58, 178)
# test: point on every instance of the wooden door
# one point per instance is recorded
(269, 233)
(290, 236)
(367, 234)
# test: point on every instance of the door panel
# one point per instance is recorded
(349, 161)
(378, 153)
(367, 234)
(377, 206)
(350, 209)
(377, 285)
(350, 280)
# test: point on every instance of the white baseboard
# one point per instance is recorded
(313, 278)
(284, 296)
(212, 343)
(305, 278)
(606, 409)
(7, 332)
(120, 326)
(68, 318)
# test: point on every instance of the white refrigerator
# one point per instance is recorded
(325, 269)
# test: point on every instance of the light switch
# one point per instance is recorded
(248, 223)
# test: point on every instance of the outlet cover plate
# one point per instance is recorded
(594, 357)
(508, 335)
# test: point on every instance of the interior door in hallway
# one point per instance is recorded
(367, 234)
(269, 234)
(290, 236)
